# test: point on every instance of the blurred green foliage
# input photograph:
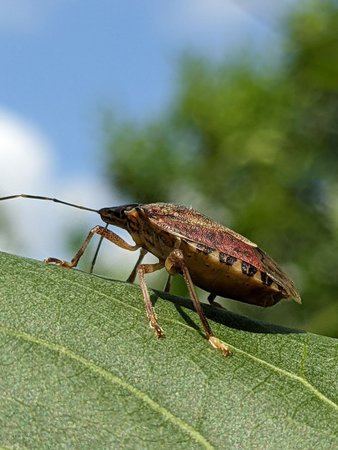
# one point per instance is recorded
(255, 146)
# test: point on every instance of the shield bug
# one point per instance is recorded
(205, 253)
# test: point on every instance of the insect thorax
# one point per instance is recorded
(148, 235)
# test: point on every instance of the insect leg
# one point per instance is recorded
(102, 231)
(211, 298)
(168, 284)
(96, 253)
(175, 261)
(142, 269)
(132, 276)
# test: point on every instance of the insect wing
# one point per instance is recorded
(193, 226)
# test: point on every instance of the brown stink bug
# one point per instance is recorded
(186, 242)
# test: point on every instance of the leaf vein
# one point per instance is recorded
(284, 372)
(104, 373)
(291, 375)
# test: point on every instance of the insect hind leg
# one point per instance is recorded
(175, 263)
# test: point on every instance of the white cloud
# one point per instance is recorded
(26, 163)
(215, 15)
(25, 154)
(26, 15)
(209, 26)
(266, 9)
(39, 229)
(202, 15)
(219, 27)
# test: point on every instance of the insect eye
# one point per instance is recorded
(120, 213)
(116, 215)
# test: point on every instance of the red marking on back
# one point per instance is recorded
(195, 227)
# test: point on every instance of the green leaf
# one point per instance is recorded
(80, 368)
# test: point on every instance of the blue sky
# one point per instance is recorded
(64, 61)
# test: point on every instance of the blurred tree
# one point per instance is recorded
(256, 148)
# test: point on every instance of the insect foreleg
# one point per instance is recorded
(132, 276)
(97, 252)
(142, 269)
(102, 231)
(175, 263)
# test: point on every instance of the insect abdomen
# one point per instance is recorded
(227, 276)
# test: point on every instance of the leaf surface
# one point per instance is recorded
(80, 368)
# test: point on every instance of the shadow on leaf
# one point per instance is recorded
(223, 317)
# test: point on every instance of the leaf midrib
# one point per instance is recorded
(113, 379)
(256, 359)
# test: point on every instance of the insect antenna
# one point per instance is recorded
(55, 200)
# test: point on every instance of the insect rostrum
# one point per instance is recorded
(186, 242)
